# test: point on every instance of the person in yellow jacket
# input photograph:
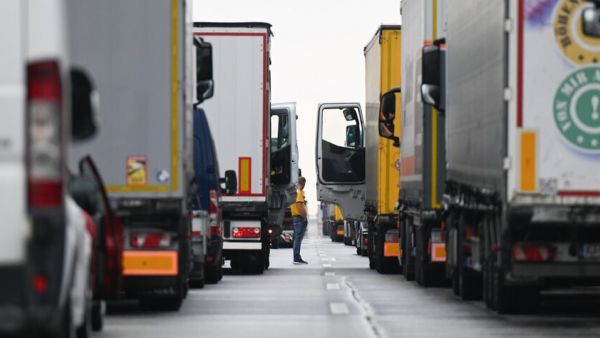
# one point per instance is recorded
(299, 219)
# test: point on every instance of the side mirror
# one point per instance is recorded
(430, 94)
(387, 115)
(230, 181)
(83, 106)
(204, 70)
(590, 20)
(352, 137)
(433, 73)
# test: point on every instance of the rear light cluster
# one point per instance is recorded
(149, 240)
(214, 226)
(391, 236)
(245, 232)
(44, 135)
(533, 253)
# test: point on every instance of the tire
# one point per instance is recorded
(370, 248)
(423, 273)
(85, 330)
(172, 303)
(469, 282)
(97, 316)
(197, 283)
(275, 243)
(408, 261)
(255, 264)
(384, 265)
(213, 273)
(66, 329)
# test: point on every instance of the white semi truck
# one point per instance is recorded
(252, 136)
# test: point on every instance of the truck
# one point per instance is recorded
(369, 196)
(150, 71)
(252, 136)
(382, 74)
(45, 248)
(422, 252)
(520, 189)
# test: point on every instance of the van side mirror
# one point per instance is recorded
(204, 70)
(230, 181)
(433, 74)
(387, 115)
(83, 106)
(590, 20)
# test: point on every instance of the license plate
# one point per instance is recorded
(591, 251)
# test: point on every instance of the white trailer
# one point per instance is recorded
(238, 116)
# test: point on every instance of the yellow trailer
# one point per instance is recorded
(382, 167)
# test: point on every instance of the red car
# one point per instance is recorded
(87, 189)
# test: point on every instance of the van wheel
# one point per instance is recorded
(97, 316)
(85, 330)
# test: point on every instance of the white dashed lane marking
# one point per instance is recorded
(338, 308)
(333, 286)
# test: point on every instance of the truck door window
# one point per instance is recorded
(280, 150)
(342, 146)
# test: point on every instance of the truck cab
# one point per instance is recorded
(45, 247)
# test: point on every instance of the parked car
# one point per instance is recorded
(87, 189)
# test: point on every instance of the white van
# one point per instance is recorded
(45, 247)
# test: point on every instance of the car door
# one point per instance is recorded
(340, 157)
(110, 234)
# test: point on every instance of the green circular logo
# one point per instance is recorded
(577, 109)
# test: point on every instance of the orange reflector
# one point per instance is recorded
(245, 173)
(438, 252)
(340, 232)
(391, 249)
(528, 159)
(150, 263)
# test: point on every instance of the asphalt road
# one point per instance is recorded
(336, 295)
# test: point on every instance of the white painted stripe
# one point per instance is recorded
(326, 265)
(333, 286)
(332, 259)
(329, 274)
(241, 246)
(338, 308)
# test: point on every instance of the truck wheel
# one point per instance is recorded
(255, 264)
(469, 281)
(275, 243)
(172, 303)
(371, 248)
(408, 261)
(422, 266)
(211, 273)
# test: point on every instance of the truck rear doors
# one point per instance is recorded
(340, 157)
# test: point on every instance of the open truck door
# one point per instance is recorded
(340, 157)
(284, 162)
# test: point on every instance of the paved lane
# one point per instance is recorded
(336, 295)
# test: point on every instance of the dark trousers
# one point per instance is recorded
(300, 225)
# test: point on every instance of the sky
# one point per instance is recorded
(316, 53)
